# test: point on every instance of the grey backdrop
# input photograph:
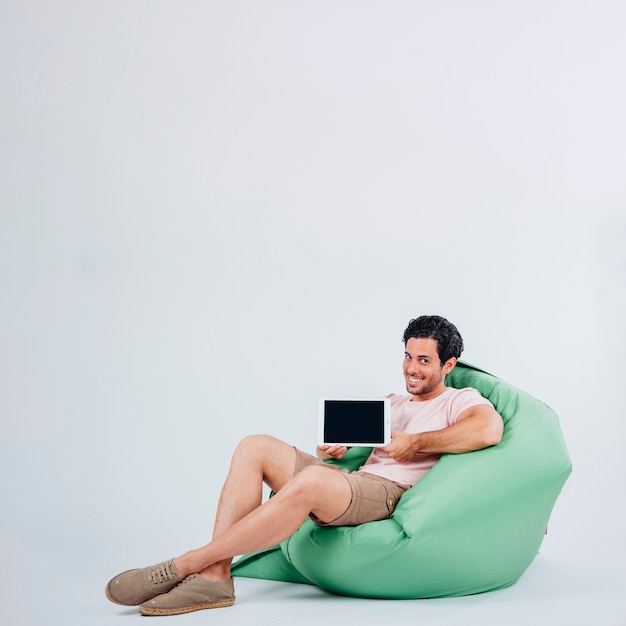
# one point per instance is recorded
(212, 213)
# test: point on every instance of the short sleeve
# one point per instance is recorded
(465, 399)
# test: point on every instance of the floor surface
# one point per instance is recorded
(552, 591)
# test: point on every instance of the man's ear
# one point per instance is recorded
(448, 366)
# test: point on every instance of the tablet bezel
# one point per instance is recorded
(386, 423)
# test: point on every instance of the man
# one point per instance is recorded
(432, 420)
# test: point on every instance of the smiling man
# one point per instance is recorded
(432, 420)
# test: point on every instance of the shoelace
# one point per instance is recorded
(162, 574)
(186, 580)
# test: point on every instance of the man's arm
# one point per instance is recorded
(477, 427)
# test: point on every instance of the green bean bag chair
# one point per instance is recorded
(474, 523)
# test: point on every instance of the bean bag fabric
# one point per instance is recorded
(474, 523)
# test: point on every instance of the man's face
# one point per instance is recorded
(423, 372)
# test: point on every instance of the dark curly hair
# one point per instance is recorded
(446, 334)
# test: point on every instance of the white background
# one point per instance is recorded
(214, 212)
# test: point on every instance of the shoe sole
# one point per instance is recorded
(185, 609)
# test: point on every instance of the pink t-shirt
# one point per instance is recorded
(418, 417)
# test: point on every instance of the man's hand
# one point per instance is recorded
(401, 448)
(324, 453)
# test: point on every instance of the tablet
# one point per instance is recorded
(354, 422)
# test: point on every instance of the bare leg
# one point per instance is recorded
(258, 459)
(320, 490)
(243, 524)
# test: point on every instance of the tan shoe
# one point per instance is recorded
(139, 585)
(193, 594)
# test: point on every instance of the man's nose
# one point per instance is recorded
(412, 368)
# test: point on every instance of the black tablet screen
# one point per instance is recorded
(354, 421)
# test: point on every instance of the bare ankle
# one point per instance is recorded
(181, 563)
(217, 572)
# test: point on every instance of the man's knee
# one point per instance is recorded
(271, 456)
(310, 479)
(321, 489)
(255, 443)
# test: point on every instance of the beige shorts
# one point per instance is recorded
(373, 498)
